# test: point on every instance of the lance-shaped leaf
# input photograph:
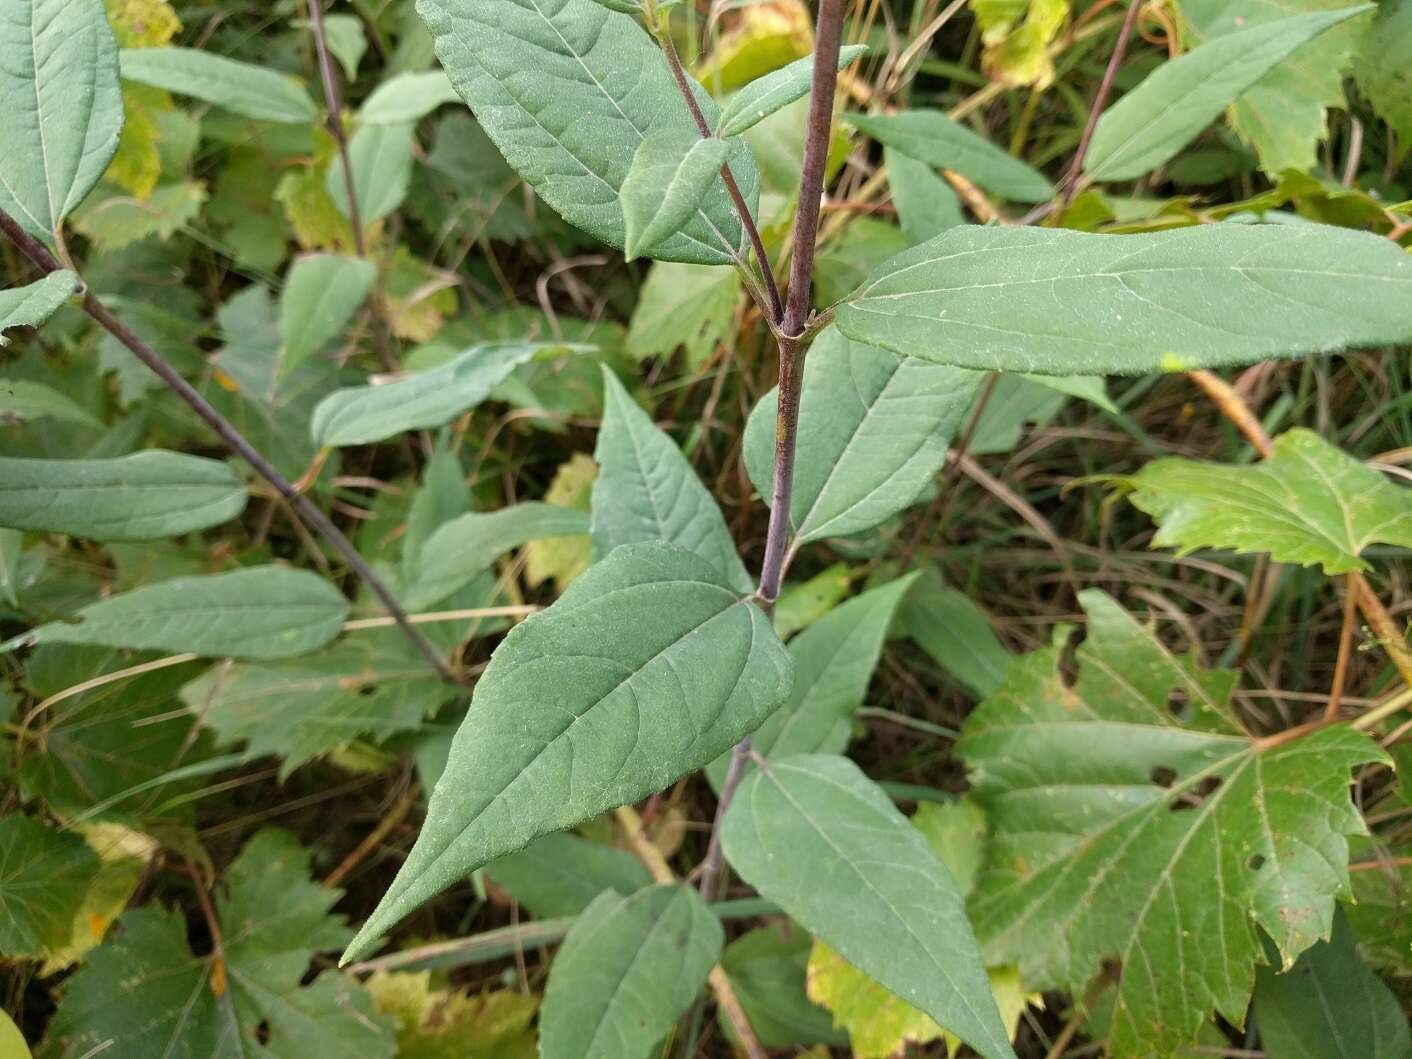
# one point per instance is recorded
(561, 874)
(1162, 115)
(242, 88)
(1058, 302)
(63, 108)
(647, 491)
(132, 498)
(407, 98)
(930, 136)
(145, 993)
(461, 550)
(628, 968)
(24, 400)
(262, 612)
(1132, 809)
(380, 157)
(1308, 503)
(44, 876)
(671, 172)
(31, 305)
(567, 90)
(779, 88)
(361, 415)
(816, 836)
(321, 294)
(873, 432)
(648, 667)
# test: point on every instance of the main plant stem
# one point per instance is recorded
(235, 441)
(827, 35)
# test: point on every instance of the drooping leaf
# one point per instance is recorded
(1329, 1005)
(1150, 124)
(450, 1024)
(948, 626)
(930, 136)
(1308, 503)
(568, 90)
(889, 907)
(873, 432)
(31, 305)
(242, 88)
(23, 400)
(44, 875)
(1017, 35)
(321, 294)
(407, 98)
(1060, 302)
(672, 171)
(1130, 807)
(647, 491)
(766, 968)
(691, 306)
(370, 685)
(139, 497)
(561, 874)
(926, 204)
(260, 612)
(765, 95)
(63, 108)
(361, 415)
(380, 157)
(628, 967)
(649, 666)
(144, 992)
(1381, 69)
(464, 548)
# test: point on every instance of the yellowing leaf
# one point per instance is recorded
(764, 37)
(142, 23)
(123, 855)
(120, 220)
(449, 1024)
(138, 163)
(317, 222)
(1017, 35)
(564, 558)
(419, 296)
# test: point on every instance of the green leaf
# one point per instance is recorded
(346, 42)
(407, 98)
(1154, 121)
(44, 876)
(930, 136)
(371, 685)
(380, 157)
(873, 432)
(1381, 69)
(11, 556)
(461, 550)
(1060, 302)
(926, 204)
(950, 628)
(1329, 1005)
(765, 95)
(1308, 503)
(1131, 808)
(568, 90)
(63, 108)
(766, 967)
(24, 400)
(890, 907)
(557, 731)
(647, 491)
(148, 994)
(260, 612)
(561, 874)
(802, 603)
(31, 305)
(361, 415)
(628, 967)
(112, 222)
(242, 88)
(671, 173)
(139, 497)
(692, 306)
(321, 294)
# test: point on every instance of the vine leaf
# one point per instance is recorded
(1154, 121)
(568, 90)
(647, 491)
(44, 877)
(31, 305)
(260, 612)
(779, 88)
(648, 667)
(873, 432)
(131, 498)
(1046, 300)
(1161, 840)
(241, 88)
(1308, 503)
(816, 836)
(63, 109)
(628, 968)
(147, 993)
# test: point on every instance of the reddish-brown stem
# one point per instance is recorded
(335, 121)
(1105, 88)
(1345, 650)
(234, 440)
